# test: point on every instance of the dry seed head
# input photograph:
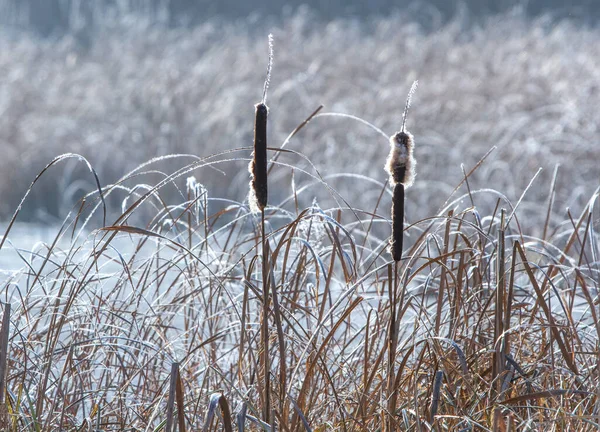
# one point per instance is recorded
(258, 164)
(400, 164)
(396, 241)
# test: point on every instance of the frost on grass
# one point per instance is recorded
(181, 290)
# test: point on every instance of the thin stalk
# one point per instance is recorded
(265, 367)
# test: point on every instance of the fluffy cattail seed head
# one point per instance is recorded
(400, 166)
(401, 163)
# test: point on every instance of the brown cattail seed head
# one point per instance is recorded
(258, 165)
(400, 163)
(396, 241)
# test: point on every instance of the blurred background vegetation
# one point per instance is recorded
(120, 82)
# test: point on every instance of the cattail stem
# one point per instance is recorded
(266, 361)
(392, 345)
(397, 222)
(180, 403)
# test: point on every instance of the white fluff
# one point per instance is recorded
(401, 155)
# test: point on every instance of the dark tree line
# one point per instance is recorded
(55, 16)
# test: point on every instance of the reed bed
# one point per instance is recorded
(480, 325)
(209, 311)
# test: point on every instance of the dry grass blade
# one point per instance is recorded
(40, 175)
(544, 394)
(300, 414)
(312, 363)
(505, 344)
(217, 400)
(277, 313)
(567, 356)
(292, 134)
(512, 214)
(4, 337)
(551, 197)
(172, 397)
(444, 269)
(435, 395)
(241, 418)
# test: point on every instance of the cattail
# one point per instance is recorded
(400, 166)
(400, 163)
(258, 201)
(258, 165)
(397, 222)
